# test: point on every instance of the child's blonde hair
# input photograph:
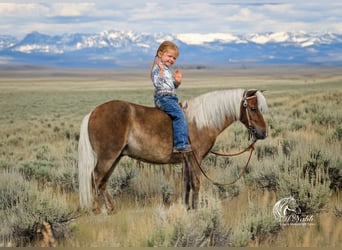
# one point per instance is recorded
(163, 47)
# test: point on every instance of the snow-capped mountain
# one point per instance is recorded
(132, 49)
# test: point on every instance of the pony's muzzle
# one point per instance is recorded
(257, 133)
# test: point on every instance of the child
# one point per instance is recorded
(165, 98)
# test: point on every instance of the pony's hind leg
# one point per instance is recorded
(107, 198)
(95, 192)
(102, 172)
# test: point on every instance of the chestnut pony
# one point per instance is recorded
(118, 128)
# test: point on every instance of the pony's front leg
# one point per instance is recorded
(195, 191)
(191, 181)
(186, 185)
(194, 179)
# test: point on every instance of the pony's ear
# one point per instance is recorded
(262, 90)
(251, 92)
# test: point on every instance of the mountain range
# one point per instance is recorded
(127, 49)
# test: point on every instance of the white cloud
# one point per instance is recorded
(43, 10)
(195, 38)
(245, 15)
(71, 9)
(22, 10)
(178, 16)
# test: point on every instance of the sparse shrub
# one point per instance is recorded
(317, 163)
(121, 179)
(68, 134)
(297, 125)
(66, 178)
(6, 165)
(263, 151)
(276, 131)
(337, 135)
(167, 193)
(158, 238)
(276, 104)
(76, 136)
(211, 159)
(47, 169)
(335, 175)
(312, 108)
(266, 175)
(263, 226)
(155, 182)
(24, 207)
(230, 191)
(260, 227)
(287, 147)
(175, 227)
(40, 170)
(310, 198)
(296, 113)
(43, 153)
(310, 194)
(325, 119)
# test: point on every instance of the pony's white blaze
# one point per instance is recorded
(86, 164)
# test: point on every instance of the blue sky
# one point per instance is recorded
(174, 16)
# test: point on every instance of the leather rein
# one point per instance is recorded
(243, 171)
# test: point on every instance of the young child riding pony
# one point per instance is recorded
(165, 98)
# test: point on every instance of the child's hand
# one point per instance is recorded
(178, 76)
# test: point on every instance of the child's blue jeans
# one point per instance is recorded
(169, 104)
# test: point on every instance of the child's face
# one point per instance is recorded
(169, 57)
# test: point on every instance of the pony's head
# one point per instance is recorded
(252, 105)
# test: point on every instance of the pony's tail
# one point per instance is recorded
(86, 164)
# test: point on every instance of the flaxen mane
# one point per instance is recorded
(211, 109)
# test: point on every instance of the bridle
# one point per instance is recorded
(250, 127)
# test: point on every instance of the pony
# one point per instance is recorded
(119, 128)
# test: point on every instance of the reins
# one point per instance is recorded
(249, 148)
(235, 154)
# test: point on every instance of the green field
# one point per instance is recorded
(40, 114)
